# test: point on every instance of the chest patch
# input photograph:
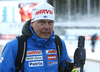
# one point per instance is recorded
(35, 52)
(51, 57)
(34, 58)
(51, 51)
(36, 63)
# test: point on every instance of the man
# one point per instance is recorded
(93, 41)
(41, 49)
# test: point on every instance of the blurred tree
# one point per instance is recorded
(73, 9)
(50, 1)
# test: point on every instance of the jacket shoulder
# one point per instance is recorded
(13, 46)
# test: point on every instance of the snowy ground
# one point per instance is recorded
(92, 63)
(72, 45)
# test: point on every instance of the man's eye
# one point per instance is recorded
(51, 22)
(41, 22)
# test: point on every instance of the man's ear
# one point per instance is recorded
(31, 23)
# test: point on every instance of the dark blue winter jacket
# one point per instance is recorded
(41, 55)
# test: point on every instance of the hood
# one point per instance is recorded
(26, 29)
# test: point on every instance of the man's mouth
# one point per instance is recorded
(46, 33)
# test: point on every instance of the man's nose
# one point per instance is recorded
(46, 25)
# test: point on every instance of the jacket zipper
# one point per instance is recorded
(45, 60)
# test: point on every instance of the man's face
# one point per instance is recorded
(43, 28)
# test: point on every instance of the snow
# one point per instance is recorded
(72, 45)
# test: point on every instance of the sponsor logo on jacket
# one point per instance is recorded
(51, 51)
(51, 57)
(1, 59)
(52, 63)
(36, 63)
(36, 52)
(34, 58)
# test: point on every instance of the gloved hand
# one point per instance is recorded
(75, 70)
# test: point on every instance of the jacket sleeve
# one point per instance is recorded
(7, 59)
(64, 55)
